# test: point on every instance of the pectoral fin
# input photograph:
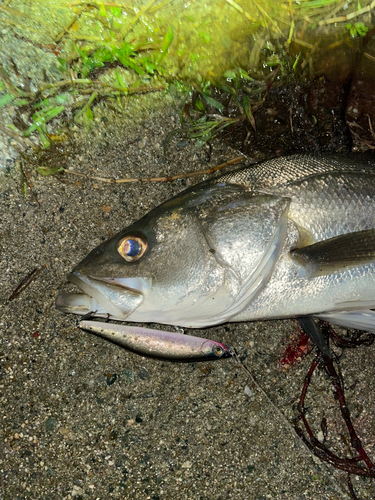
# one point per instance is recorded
(309, 326)
(337, 254)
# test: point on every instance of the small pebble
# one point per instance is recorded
(111, 379)
(128, 375)
(249, 392)
(186, 465)
(50, 423)
(77, 491)
(320, 436)
(143, 373)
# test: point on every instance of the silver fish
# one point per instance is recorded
(158, 343)
(285, 238)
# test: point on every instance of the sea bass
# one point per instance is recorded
(285, 238)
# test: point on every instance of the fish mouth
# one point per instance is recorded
(103, 297)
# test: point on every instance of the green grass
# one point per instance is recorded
(108, 51)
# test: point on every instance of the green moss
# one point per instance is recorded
(106, 50)
(357, 29)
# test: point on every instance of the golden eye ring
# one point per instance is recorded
(218, 351)
(131, 248)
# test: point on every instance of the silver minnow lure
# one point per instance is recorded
(285, 238)
(158, 343)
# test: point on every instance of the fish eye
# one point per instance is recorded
(218, 351)
(131, 248)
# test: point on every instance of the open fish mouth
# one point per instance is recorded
(103, 297)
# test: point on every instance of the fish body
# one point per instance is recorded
(285, 238)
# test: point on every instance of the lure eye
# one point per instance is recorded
(131, 248)
(218, 351)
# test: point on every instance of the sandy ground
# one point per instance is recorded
(83, 418)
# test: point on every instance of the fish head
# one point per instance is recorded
(185, 263)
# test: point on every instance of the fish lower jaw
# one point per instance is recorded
(77, 303)
(82, 305)
(103, 297)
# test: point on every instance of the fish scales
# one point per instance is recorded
(350, 183)
(279, 171)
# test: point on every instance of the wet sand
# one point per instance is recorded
(83, 418)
